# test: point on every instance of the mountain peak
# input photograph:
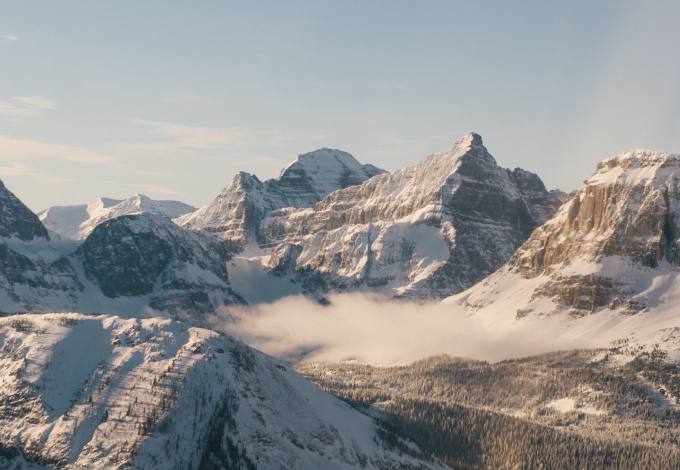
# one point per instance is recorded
(472, 139)
(300, 184)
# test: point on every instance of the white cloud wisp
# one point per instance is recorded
(24, 107)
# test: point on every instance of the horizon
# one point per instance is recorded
(171, 101)
(123, 199)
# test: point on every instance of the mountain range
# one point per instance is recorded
(110, 387)
(326, 224)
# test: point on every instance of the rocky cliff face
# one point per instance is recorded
(17, 220)
(614, 244)
(146, 255)
(33, 273)
(425, 231)
(235, 213)
(77, 222)
(119, 393)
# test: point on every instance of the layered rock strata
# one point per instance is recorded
(426, 231)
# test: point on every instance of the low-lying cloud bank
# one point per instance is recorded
(356, 327)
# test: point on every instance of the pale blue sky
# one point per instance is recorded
(171, 99)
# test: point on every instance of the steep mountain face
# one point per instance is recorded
(77, 222)
(610, 254)
(17, 220)
(109, 392)
(425, 231)
(629, 212)
(32, 271)
(235, 213)
(148, 255)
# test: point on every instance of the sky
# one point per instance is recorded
(171, 99)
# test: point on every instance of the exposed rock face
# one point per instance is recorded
(614, 243)
(17, 220)
(33, 274)
(144, 254)
(426, 231)
(628, 208)
(119, 393)
(77, 222)
(234, 214)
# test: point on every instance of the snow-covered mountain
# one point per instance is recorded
(425, 231)
(77, 222)
(140, 260)
(141, 263)
(234, 214)
(610, 257)
(110, 392)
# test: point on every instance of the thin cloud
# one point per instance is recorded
(23, 107)
(22, 169)
(155, 174)
(9, 37)
(150, 188)
(21, 149)
(194, 137)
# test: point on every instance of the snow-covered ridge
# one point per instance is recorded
(111, 392)
(77, 222)
(635, 166)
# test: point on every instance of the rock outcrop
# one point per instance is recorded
(629, 209)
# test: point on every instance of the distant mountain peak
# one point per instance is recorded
(77, 222)
(300, 184)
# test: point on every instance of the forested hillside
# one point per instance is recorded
(576, 409)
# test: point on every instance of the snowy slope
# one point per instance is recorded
(606, 265)
(425, 231)
(234, 214)
(110, 392)
(77, 222)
